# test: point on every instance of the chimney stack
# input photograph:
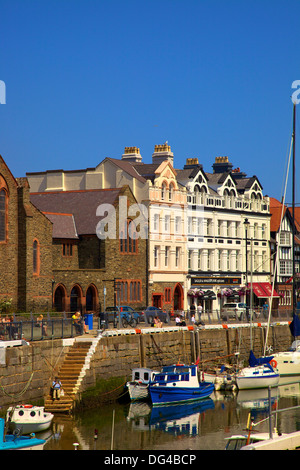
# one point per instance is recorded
(222, 165)
(132, 154)
(162, 153)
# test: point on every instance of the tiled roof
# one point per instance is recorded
(275, 211)
(297, 217)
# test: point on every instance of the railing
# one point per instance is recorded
(209, 317)
(33, 328)
(56, 326)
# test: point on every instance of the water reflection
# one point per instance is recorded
(201, 425)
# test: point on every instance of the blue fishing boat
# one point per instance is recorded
(15, 442)
(178, 383)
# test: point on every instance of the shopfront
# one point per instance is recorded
(212, 292)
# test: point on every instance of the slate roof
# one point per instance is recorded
(82, 205)
(63, 225)
(128, 167)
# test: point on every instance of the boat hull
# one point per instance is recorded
(138, 391)
(287, 363)
(28, 419)
(28, 428)
(165, 395)
(248, 381)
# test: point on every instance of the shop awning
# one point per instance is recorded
(209, 295)
(263, 290)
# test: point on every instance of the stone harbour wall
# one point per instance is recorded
(26, 371)
(116, 356)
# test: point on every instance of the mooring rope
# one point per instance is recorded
(16, 397)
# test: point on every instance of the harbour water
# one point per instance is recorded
(203, 425)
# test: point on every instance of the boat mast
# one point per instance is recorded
(294, 300)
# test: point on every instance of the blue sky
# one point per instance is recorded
(85, 78)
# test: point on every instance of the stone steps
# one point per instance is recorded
(70, 374)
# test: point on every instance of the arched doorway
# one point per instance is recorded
(60, 299)
(75, 299)
(91, 298)
(178, 297)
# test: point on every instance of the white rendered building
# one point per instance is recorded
(219, 206)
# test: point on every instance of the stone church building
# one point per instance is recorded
(51, 256)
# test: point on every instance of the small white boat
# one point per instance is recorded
(138, 387)
(28, 418)
(260, 376)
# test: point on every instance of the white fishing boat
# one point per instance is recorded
(28, 418)
(138, 387)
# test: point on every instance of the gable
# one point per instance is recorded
(165, 173)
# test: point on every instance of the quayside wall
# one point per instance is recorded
(26, 371)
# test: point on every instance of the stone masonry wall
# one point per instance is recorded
(29, 369)
(116, 356)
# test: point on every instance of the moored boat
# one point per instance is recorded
(28, 418)
(138, 387)
(15, 442)
(178, 383)
(288, 362)
(259, 374)
(220, 378)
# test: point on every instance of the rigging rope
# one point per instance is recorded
(276, 257)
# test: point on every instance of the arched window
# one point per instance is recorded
(3, 215)
(171, 191)
(36, 257)
(163, 191)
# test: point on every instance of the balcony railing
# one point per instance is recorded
(230, 202)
